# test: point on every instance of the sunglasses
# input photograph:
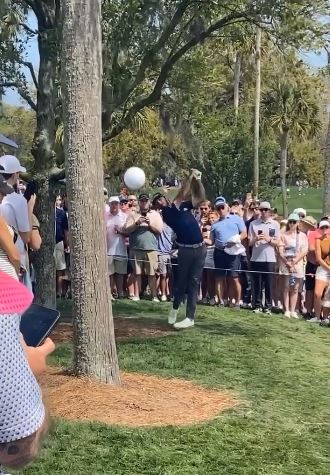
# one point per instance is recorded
(221, 207)
(264, 209)
(292, 222)
(324, 227)
(232, 212)
(203, 209)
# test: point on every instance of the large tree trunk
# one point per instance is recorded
(94, 343)
(43, 151)
(237, 77)
(284, 140)
(257, 115)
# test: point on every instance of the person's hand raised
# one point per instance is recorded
(37, 357)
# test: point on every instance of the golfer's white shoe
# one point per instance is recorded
(172, 316)
(186, 323)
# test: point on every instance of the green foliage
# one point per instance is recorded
(306, 162)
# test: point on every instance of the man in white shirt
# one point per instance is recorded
(17, 211)
(116, 246)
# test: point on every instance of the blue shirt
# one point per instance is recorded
(165, 241)
(224, 229)
(61, 224)
(184, 225)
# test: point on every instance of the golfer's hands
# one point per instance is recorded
(37, 357)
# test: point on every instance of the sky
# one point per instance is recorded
(315, 60)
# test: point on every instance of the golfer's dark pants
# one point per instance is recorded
(188, 276)
(262, 280)
(245, 279)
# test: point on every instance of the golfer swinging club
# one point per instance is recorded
(191, 248)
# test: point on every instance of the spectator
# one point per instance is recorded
(227, 235)
(143, 227)
(322, 276)
(132, 202)
(61, 244)
(124, 205)
(301, 212)
(116, 247)
(207, 218)
(264, 236)
(293, 247)
(9, 255)
(18, 213)
(309, 226)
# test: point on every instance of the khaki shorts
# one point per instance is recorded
(117, 265)
(59, 256)
(144, 262)
(164, 264)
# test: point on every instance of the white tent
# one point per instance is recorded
(4, 140)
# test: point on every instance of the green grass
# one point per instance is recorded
(278, 368)
(309, 199)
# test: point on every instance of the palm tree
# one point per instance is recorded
(290, 109)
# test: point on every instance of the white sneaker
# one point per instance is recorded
(155, 299)
(257, 310)
(135, 298)
(294, 315)
(314, 320)
(186, 323)
(163, 298)
(287, 314)
(172, 316)
(212, 302)
(204, 301)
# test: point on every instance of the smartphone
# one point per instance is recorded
(31, 189)
(37, 323)
(259, 232)
(144, 213)
(271, 232)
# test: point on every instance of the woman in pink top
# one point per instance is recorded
(293, 248)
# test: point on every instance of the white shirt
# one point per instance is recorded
(14, 209)
(116, 242)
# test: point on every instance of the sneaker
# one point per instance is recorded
(135, 298)
(186, 323)
(257, 310)
(172, 316)
(287, 314)
(163, 298)
(155, 299)
(314, 320)
(294, 315)
(246, 306)
(204, 301)
(267, 311)
(212, 302)
(325, 322)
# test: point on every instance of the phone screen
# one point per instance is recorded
(259, 231)
(37, 323)
(271, 232)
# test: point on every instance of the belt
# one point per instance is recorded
(191, 246)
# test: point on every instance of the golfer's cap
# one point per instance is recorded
(310, 221)
(156, 197)
(123, 199)
(220, 200)
(294, 217)
(300, 211)
(143, 196)
(265, 205)
(15, 298)
(324, 223)
(11, 164)
(114, 199)
(5, 189)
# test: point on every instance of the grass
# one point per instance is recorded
(309, 199)
(278, 368)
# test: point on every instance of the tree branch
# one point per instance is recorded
(28, 29)
(22, 91)
(155, 95)
(33, 74)
(56, 174)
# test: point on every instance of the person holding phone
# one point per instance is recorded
(263, 237)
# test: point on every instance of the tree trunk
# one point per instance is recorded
(237, 77)
(284, 140)
(94, 343)
(257, 115)
(326, 192)
(43, 152)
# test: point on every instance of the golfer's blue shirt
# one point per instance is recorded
(225, 229)
(183, 224)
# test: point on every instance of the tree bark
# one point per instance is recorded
(257, 115)
(284, 140)
(94, 343)
(237, 77)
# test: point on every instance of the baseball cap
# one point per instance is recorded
(123, 199)
(11, 164)
(300, 211)
(114, 199)
(5, 189)
(143, 196)
(265, 205)
(220, 200)
(294, 217)
(324, 223)
(236, 201)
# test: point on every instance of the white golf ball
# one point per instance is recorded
(134, 178)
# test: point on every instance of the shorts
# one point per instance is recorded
(59, 256)
(310, 279)
(209, 261)
(144, 262)
(117, 265)
(322, 274)
(226, 265)
(164, 264)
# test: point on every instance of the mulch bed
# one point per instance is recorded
(139, 401)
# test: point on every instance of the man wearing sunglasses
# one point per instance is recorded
(264, 236)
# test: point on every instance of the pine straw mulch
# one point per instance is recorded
(141, 400)
(125, 327)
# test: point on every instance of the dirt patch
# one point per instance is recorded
(124, 328)
(140, 401)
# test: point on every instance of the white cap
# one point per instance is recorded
(11, 164)
(114, 199)
(324, 223)
(265, 205)
(300, 211)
